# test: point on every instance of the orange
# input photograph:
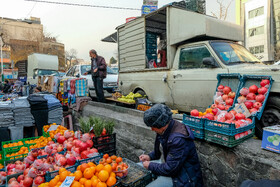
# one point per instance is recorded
(113, 157)
(91, 164)
(101, 184)
(106, 156)
(79, 167)
(84, 166)
(82, 180)
(78, 175)
(119, 159)
(108, 168)
(112, 174)
(61, 170)
(109, 160)
(87, 183)
(99, 167)
(57, 178)
(111, 181)
(76, 184)
(94, 182)
(93, 169)
(53, 182)
(88, 173)
(103, 175)
(63, 175)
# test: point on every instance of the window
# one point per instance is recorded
(257, 49)
(256, 31)
(71, 72)
(192, 57)
(76, 71)
(256, 12)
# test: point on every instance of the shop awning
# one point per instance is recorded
(111, 38)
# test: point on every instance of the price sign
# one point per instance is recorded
(53, 128)
(241, 108)
(67, 182)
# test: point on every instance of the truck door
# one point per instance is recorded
(193, 83)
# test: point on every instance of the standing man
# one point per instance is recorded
(98, 73)
(174, 140)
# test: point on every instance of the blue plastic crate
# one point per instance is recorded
(233, 80)
(94, 159)
(193, 121)
(249, 80)
(50, 175)
(226, 128)
(197, 132)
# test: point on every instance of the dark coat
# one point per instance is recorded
(181, 160)
(6, 88)
(101, 65)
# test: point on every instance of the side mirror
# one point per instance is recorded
(78, 75)
(210, 61)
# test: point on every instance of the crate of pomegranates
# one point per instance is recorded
(227, 140)
(195, 124)
(254, 91)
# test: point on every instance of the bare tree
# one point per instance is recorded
(70, 56)
(222, 13)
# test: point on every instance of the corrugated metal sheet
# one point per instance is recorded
(131, 44)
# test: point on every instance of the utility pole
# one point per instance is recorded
(2, 74)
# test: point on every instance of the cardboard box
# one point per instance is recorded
(271, 138)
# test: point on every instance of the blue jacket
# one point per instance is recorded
(181, 160)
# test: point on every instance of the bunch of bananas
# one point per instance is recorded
(129, 98)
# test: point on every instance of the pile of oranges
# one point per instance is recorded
(39, 142)
(23, 150)
(117, 164)
(86, 175)
(1, 166)
(60, 129)
(19, 143)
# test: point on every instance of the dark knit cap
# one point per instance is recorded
(158, 116)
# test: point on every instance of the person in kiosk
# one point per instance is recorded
(174, 141)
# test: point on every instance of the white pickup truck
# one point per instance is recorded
(183, 72)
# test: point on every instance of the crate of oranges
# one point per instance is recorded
(37, 142)
(20, 152)
(87, 175)
(1, 160)
(12, 145)
(60, 129)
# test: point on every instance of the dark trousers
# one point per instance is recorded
(98, 86)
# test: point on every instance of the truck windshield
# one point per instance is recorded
(47, 72)
(231, 54)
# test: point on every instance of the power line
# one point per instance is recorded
(31, 9)
(83, 5)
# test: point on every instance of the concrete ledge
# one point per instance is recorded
(221, 166)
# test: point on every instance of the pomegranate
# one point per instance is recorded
(28, 181)
(84, 154)
(26, 171)
(60, 148)
(253, 110)
(241, 99)
(61, 139)
(194, 112)
(71, 160)
(262, 90)
(264, 82)
(215, 111)
(229, 116)
(220, 88)
(62, 161)
(10, 166)
(246, 133)
(39, 180)
(213, 106)
(228, 121)
(253, 89)
(239, 116)
(260, 98)
(69, 146)
(249, 104)
(231, 95)
(229, 101)
(233, 112)
(225, 97)
(236, 136)
(227, 107)
(257, 105)
(249, 120)
(238, 124)
(20, 178)
(221, 107)
(209, 116)
(226, 90)
(89, 143)
(244, 91)
(83, 146)
(221, 120)
(251, 96)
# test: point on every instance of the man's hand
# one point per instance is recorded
(144, 158)
(146, 164)
(85, 73)
(95, 70)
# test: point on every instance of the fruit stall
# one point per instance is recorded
(237, 103)
(86, 157)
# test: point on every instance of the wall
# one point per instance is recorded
(221, 166)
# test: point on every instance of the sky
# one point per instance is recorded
(82, 28)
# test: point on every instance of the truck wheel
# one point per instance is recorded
(141, 92)
(270, 116)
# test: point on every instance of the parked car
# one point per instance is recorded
(61, 74)
(110, 83)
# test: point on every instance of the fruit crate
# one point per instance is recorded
(249, 80)
(226, 128)
(50, 175)
(11, 141)
(13, 161)
(195, 124)
(104, 139)
(2, 161)
(12, 176)
(45, 134)
(137, 175)
(233, 80)
(109, 148)
(94, 159)
(16, 156)
(226, 140)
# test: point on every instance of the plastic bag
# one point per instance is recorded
(68, 134)
(75, 154)
(219, 100)
(32, 172)
(244, 91)
(3, 175)
(38, 164)
(78, 134)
